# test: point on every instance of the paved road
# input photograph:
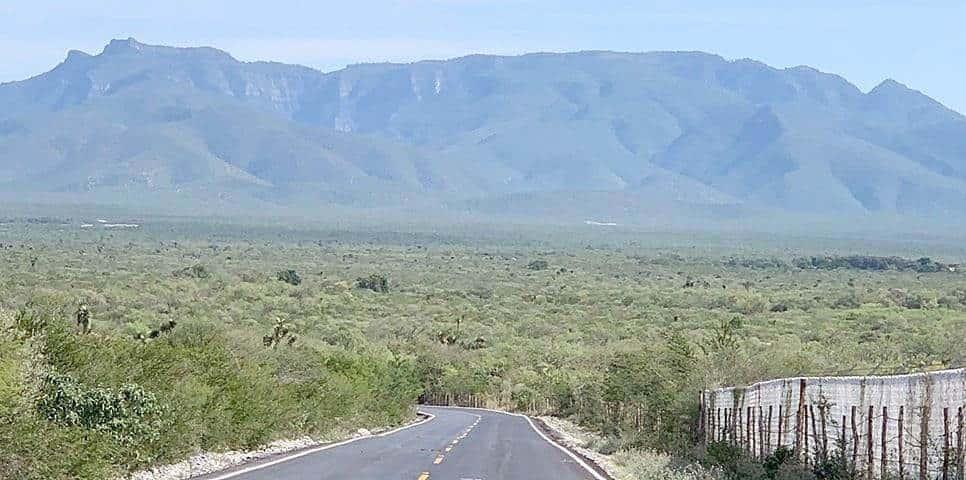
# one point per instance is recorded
(457, 444)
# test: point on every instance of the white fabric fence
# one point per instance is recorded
(905, 426)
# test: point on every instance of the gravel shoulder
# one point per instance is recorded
(577, 440)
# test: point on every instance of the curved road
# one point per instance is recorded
(458, 444)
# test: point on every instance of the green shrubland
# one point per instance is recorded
(619, 337)
(96, 405)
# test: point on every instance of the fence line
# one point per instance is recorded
(910, 426)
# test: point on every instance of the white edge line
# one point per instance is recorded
(260, 466)
(549, 440)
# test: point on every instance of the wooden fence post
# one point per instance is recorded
(855, 441)
(946, 443)
(924, 442)
(843, 442)
(739, 427)
(819, 454)
(869, 444)
(742, 428)
(960, 457)
(885, 442)
(805, 432)
(712, 425)
(960, 453)
(822, 412)
(749, 436)
(902, 457)
(768, 431)
(781, 423)
(717, 424)
(761, 433)
(736, 426)
(701, 418)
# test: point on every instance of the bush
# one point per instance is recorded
(195, 271)
(538, 265)
(911, 301)
(847, 301)
(374, 282)
(782, 464)
(648, 465)
(779, 308)
(128, 413)
(733, 461)
(606, 445)
(290, 277)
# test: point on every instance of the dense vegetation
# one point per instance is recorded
(219, 338)
(866, 262)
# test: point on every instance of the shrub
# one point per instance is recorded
(734, 462)
(374, 282)
(128, 413)
(847, 301)
(195, 271)
(912, 301)
(648, 465)
(538, 265)
(608, 445)
(290, 277)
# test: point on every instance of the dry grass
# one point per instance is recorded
(634, 464)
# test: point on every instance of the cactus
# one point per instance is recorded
(281, 332)
(83, 319)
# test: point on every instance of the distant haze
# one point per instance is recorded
(602, 136)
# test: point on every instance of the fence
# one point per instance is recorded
(905, 426)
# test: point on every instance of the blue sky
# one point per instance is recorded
(921, 44)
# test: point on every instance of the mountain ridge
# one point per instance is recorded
(677, 131)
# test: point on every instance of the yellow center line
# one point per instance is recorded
(439, 459)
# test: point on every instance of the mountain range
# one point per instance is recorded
(569, 136)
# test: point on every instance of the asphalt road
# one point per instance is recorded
(458, 444)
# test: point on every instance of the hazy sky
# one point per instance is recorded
(919, 43)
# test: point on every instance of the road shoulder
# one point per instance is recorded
(225, 465)
(562, 433)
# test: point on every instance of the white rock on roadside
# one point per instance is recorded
(205, 463)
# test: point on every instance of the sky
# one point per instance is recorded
(919, 43)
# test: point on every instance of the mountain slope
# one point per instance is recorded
(674, 132)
